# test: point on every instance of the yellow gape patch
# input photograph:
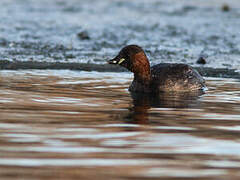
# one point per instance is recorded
(121, 60)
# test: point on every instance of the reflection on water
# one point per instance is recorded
(143, 102)
(86, 125)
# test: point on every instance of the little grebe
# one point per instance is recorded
(161, 77)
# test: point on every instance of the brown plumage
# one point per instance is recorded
(161, 77)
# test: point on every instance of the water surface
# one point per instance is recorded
(86, 125)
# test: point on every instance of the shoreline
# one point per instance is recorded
(20, 65)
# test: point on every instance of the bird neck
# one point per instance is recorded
(141, 69)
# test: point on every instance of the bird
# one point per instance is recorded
(163, 77)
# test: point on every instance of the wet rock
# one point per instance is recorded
(225, 8)
(201, 60)
(189, 8)
(69, 56)
(83, 35)
(3, 42)
(72, 9)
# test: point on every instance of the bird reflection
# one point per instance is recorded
(138, 113)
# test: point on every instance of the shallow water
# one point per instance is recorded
(86, 125)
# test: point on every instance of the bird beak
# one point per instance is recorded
(116, 61)
(112, 61)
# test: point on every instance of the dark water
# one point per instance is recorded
(86, 125)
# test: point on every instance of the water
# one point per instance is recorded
(86, 125)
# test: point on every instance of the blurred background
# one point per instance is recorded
(93, 31)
